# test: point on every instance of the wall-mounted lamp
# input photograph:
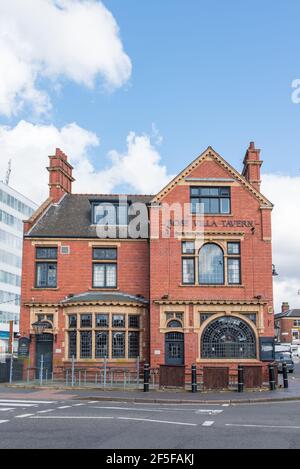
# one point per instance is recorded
(274, 273)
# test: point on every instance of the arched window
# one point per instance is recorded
(211, 265)
(174, 323)
(228, 337)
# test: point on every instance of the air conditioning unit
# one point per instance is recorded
(65, 250)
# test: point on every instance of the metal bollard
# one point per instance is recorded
(272, 377)
(240, 378)
(285, 375)
(146, 377)
(194, 378)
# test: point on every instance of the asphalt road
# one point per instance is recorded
(63, 422)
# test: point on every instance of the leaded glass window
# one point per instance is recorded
(118, 320)
(133, 322)
(228, 337)
(211, 265)
(72, 344)
(101, 342)
(133, 344)
(86, 344)
(102, 320)
(118, 345)
(85, 320)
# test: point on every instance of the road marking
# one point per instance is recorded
(23, 416)
(208, 423)
(6, 410)
(93, 402)
(4, 421)
(59, 417)
(263, 426)
(77, 405)
(45, 411)
(209, 412)
(64, 407)
(225, 405)
(2, 404)
(158, 421)
(27, 401)
(129, 408)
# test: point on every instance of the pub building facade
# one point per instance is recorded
(196, 289)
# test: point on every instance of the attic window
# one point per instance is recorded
(109, 214)
(210, 200)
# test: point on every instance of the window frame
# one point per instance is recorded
(185, 258)
(47, 261)
(117, 206)
(218, 197)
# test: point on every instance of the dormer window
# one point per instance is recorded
(210, 200)
(110, 214)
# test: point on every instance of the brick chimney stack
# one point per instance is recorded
(285, 307)
(60, 175)
(252, 166)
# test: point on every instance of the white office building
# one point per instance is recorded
(14, 208)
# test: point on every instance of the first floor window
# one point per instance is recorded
(118, 345)
(211, 265)
(46, 275)
(86, 344)
(234, 271)
(188, 271)
(105, 275)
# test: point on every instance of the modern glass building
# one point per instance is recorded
(14, 208)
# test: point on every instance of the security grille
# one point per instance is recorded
(228, 337)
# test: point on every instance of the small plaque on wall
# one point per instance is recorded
(23, 347)
(156, 352)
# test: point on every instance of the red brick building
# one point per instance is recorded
(196, 289)
(287, 325)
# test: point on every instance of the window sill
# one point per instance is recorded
(45, 288)
(211, 286)
(104, 289)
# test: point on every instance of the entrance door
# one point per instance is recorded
(174, 348)
(44, 347)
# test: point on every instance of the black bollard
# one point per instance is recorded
(272, 377)
(240, 378)
(194, 378)
(146, 377)
(285, 375)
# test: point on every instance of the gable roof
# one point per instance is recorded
(71, 217)
(211, 153)
(291, 313)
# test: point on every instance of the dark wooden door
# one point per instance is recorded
(44, 347)
(174, 348)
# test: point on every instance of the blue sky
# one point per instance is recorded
(93, 78)
(206, 73)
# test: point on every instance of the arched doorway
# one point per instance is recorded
(174, 348)
(228, 337)
(44, 347)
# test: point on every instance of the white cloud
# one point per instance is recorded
(72, 39)
(284, 192)
(28, 145)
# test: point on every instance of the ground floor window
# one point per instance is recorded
(104, 335)
(228, 337)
